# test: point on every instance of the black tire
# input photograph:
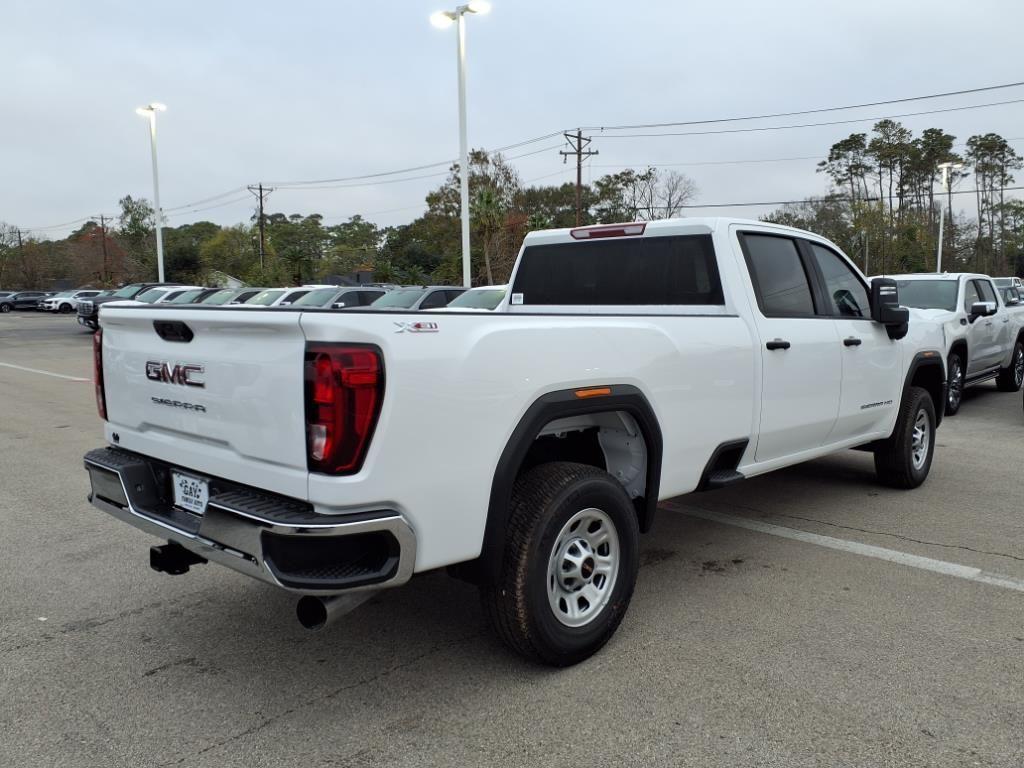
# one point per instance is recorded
(64, 309)
(519, 606)
(901, 461)
(955, 375)
(5, 307)
(1012, 376)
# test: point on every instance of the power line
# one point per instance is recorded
(808, 111)
(807, 125)
(826, 198)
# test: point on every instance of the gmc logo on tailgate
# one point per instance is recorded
(183, 374)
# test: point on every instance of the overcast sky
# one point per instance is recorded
(313, 90)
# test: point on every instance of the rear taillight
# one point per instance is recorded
(344, 391)
(97, 373)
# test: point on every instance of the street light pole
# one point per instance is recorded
(945, 168)
(149, 111)
(444, 19)
(463, 153)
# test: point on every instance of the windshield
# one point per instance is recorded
(265, 298)
(127, 292)
(481, 298)
(220, 297)
(401, 299)
(152, 295)
(1002, 282)
(63, 295)
(321, 297)
(187, 297)
(928, 294)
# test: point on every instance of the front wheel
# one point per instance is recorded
(64, 309)
(1012, 376)
(905, 458)
(5, 308)
(569, 564)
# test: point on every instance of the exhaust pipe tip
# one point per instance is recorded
(311, 612)
(314, 613)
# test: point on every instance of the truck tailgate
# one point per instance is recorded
(235, 412)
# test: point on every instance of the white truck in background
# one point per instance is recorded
(334, 454)
(983, 337)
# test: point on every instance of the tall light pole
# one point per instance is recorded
(945, 168)
(443, 20)
(149, 111)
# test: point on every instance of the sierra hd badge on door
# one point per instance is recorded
(183, 373)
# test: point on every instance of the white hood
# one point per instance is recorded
(933, 315)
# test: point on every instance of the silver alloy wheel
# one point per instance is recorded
(920, 440)
(956, 384)
(1018, 366)
(583, 567)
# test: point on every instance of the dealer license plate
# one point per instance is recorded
(190, 493)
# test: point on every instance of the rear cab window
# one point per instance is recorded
(652, 271)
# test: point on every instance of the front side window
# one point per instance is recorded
(971, 295)
(847, 293)
(780, 280)
(986, 290)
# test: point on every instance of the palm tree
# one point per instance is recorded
(490, 218)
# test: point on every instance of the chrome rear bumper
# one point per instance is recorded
(271, 538)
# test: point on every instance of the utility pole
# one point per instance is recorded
(103, 231)
(578, 144)
(260, 193)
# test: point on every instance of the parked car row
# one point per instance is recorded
(388, 298)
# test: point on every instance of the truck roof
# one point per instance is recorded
(688, 225)
(938, 276)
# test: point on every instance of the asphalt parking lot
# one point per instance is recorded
(809, 617)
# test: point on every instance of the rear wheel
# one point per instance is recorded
(1012, 376)
(904, 460)
(5, 307)
(955, 390)
(569, 565)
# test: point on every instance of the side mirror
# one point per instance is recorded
(982, 309)
(886, 309)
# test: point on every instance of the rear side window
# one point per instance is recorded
(677, 270)
(778, 274)
(847, 293)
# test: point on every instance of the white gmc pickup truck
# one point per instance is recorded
(983, 337)
(334, 454)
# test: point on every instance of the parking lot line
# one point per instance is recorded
(857, 548)
(44, 373)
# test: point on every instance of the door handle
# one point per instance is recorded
(777, 344)
(851, 341)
